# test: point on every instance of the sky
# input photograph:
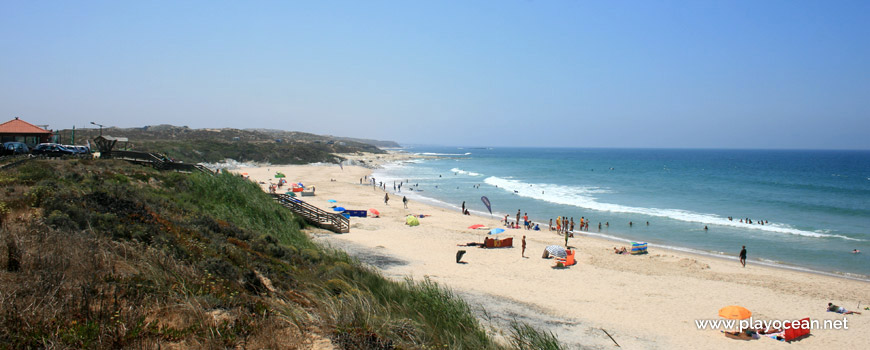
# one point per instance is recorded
(639, 74)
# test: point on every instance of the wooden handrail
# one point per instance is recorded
(314, 215)
(157, 161)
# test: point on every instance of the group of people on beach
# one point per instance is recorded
(566, 225)
(526, 223)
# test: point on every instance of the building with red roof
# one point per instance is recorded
(21, 131)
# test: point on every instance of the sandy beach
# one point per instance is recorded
(647, 301)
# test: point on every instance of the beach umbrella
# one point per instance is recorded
(244, 173)
(557, 251)
(301, 185)
(496, 231)
(374, 212)
(279, 175)
(338, 209)
(474, 227)
(734, 312)
(412, 220)
(331, 200)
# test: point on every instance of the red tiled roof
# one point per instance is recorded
(18, 126)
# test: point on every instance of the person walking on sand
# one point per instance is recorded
(386, 198)
(463, 207)
(405, 201)
(743, 256)
(524, 246)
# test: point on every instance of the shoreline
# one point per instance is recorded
(614, 238)
(645, 301)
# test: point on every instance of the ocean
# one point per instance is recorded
(815, 205)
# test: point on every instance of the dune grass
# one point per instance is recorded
(118, 255)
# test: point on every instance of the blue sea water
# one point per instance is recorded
(816, 204)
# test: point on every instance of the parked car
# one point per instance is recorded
(14, 148)
(52, 150)
(78, 149)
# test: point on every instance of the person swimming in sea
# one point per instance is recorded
(856, 251)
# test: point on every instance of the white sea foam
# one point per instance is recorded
(582, 196)
(444, 154)
(463, 172)
(232, 164)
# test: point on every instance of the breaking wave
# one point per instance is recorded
(583, 196)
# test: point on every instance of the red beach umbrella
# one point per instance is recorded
(374, 212)
(474, 227)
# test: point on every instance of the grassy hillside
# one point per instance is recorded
(103, 254)
(215, 145)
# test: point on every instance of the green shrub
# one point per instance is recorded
(59, 220)
(221, 268)
(337, 286)
(526, 337)
(38, 193)
(310, 255)
(119, 178)
(32, 172)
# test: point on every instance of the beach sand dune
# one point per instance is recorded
(645, 302)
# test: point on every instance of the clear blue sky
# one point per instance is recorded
(721, 74)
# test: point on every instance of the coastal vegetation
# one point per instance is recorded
(216, 145)
(106, 254)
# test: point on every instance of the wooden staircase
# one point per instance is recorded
(331, 221)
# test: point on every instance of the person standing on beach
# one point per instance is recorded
(743, 256)
(566, 239)
(526, 220)
(518, 217)
(463, 207)
(524, 246)
(405, 201)
(386, 198)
